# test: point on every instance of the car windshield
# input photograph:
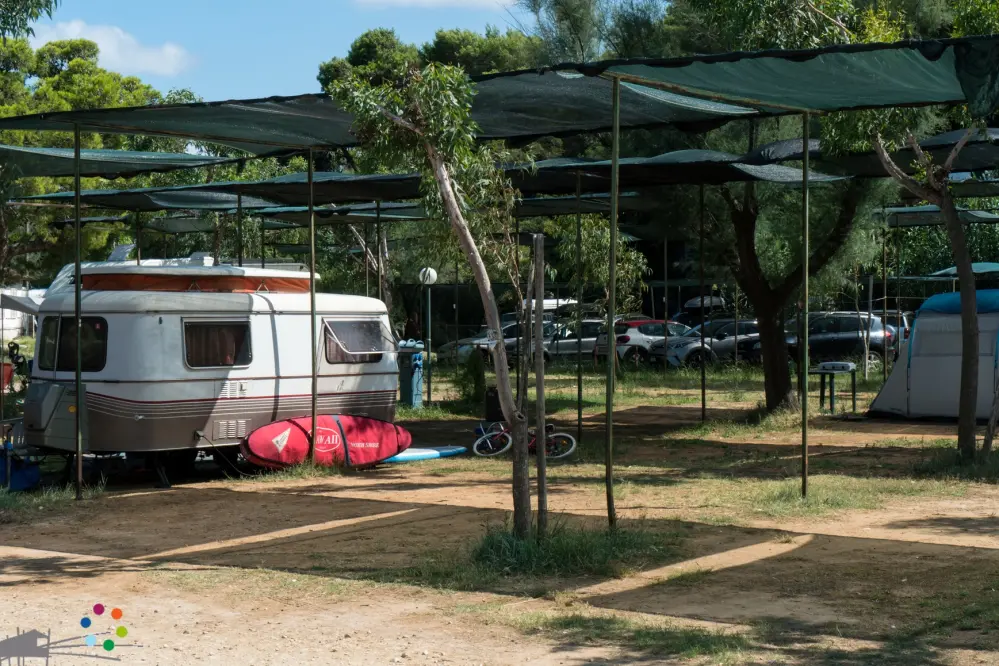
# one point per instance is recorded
(694, 332)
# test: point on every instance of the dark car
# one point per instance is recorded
(839, 336)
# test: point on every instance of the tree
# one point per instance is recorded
(423, 120)
(482, 54)
(16, 16)
(932, 186)
(572, 30)
(376, 55)
(54, 57)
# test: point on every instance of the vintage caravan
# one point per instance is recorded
(179, 356)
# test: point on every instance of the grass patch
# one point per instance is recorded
(688, 578)
(22, 507)
(500, 561)
(946, 463)
(305, 470)
(661, 639)
(435, 412)
(255, 583)
(827, 493)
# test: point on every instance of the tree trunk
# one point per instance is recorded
(514, 417)
(966, 422)
(776, 373)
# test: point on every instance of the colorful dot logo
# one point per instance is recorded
(117, 629)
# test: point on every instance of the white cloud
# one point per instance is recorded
(466, 4)
(120, 51)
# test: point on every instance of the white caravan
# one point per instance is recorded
(178, 355)
(926, 379)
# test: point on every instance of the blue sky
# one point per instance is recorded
(225, 49)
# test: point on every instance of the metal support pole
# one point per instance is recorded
(539, 379)
(138, 239)
(884, 304)
(312, 310)
(428, 364)
(367, 265)
(736, 334)
(520, 307)
(579, 310)
(700, 273)
(263, 246)
(612, 305)
(665, 301)
(77, 312)
(378, 245)
(239, 230)
(803, 343)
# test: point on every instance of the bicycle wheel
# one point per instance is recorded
(492, 444)
(559, 446)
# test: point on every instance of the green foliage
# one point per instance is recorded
(482, 54)
(572, 30)
(761, 24)
(976, 17)
(471, 380)
(55, 57)
(16, 16)
(632, 265)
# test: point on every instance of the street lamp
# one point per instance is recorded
(428, 276)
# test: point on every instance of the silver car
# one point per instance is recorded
(459, 350)
(719, 342)
(563, 342)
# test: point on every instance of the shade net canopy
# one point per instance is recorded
(697, 92)
(834, 78)
(521, 105)
(930, 216)
(979, 154)
(151, 199)
(978, 268)
(169, 224)
(27, 162)
(549, 177)
(290, 217)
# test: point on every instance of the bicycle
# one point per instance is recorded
(496, 439)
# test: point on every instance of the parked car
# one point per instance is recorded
(719, 343)
(900, 325)
(634, 338)
(839, 336)
(459, 350)
(562, 342)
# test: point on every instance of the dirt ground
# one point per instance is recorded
(302, 571)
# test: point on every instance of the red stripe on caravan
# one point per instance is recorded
(249, 397)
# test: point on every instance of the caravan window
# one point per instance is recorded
(356, 341)
(58, 344)
(217, 344)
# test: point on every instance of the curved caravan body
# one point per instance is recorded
(166, 369)
(925, 381)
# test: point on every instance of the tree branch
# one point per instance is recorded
(904, 179)
(838, 24)
(949, 164)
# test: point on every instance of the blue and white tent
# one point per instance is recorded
(926, 378)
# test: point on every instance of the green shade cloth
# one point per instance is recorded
(835, 78)
(151, 199)
(58, 162)
(292, 217)
(522, 105)
(170, 224)
(969, 188)
(97, 219)
(980, 153)
(700, 92)
(551, 177)
(178, 225)
(929, 216)
(978, 268)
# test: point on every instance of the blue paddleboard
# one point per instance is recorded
(412, 455)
